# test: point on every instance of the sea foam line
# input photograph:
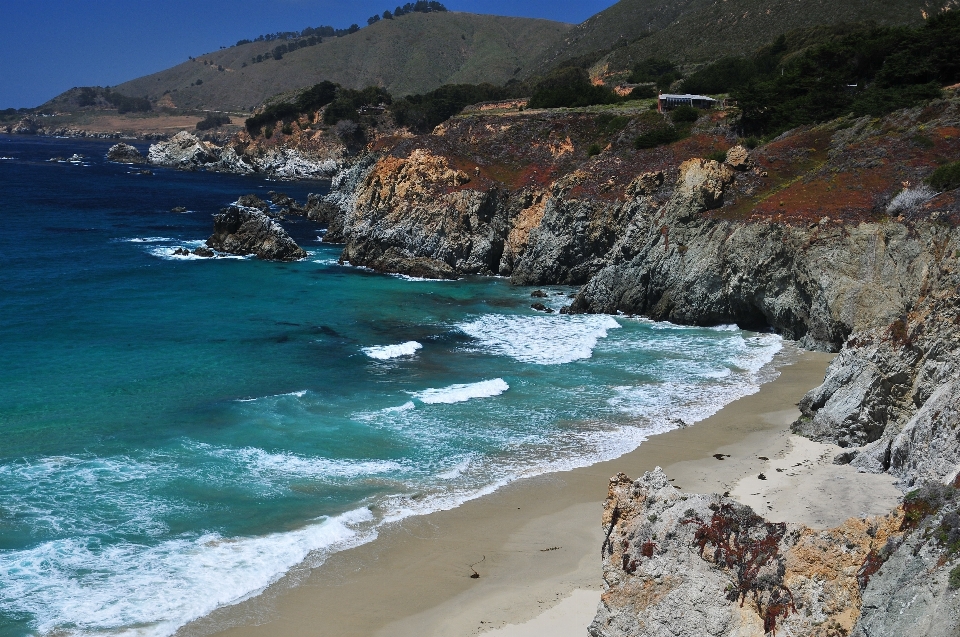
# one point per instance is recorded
(386, 352)
(462, 392)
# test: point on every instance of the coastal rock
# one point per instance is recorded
(677, 564)
(245, 231)
(184, 152)
(253, 201)
(125, 154)
(27, 126)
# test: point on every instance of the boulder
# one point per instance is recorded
(738, 158)
(125, 154)
(253, 201)
(245, 231)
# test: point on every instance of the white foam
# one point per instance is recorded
(77, 586)
(386, 352)
(295, 394)
(543, 340)
(148, 240)
(167, 253)
(270, 467)
(462, 393)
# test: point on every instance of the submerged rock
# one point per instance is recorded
(245, 231)
(125, 154)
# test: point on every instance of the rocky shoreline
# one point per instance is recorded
(801, 236)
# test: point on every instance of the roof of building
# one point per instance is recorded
(685, 96)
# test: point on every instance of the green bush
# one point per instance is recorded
(718, 155)
(423, 112)
(310, 100)
(954, 581)
(268, 132)
(652, 70)
(946, 177)
(594, 149)
(642, 93)
(287, 129)
(213, 120)
(660, 136)
(685, 115)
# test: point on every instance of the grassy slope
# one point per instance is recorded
(411, 54)
(690, 31)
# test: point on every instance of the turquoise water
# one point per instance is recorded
(177, 433)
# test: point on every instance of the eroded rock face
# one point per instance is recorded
(692, 565)
(892, 396)
(244, 231)
(125, 154)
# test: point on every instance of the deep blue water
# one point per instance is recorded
(177, 433)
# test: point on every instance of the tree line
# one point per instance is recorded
(314, 35)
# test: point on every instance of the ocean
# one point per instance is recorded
(176, 433)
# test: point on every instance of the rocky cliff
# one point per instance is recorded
(679, 564)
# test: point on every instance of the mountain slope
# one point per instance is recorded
(690, 31)
(412, 54)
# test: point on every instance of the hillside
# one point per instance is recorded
(691, 31)
(412, 54)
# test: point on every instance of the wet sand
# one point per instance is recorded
(535, 543)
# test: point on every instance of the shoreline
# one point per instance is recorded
(534, 542)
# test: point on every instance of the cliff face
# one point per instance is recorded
(677, 564)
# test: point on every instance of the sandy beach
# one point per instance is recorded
(535, 543)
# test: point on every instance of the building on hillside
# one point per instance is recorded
(668, 102)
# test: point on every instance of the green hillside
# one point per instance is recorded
(694, 31)
(411, 54)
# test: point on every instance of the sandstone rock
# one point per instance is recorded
(245, 231)
(646, 184)
(125, 154)
(701, 183)
(738, 158)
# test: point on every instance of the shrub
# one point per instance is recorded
(910, 199)
(642, 93)
(718, 155)
(651, 70)
(946, 177)
(213, 120)
(268, 131)
(659, 136)
(423, 112)
(684, 115)
(594, 149)
(954, 581)
(287, 129)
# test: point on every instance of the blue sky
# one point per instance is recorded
(48, 46)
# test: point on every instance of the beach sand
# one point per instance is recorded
(535, 543)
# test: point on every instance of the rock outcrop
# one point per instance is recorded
(242, 156)
(125, 154)
(678, 564)
(244, 231)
